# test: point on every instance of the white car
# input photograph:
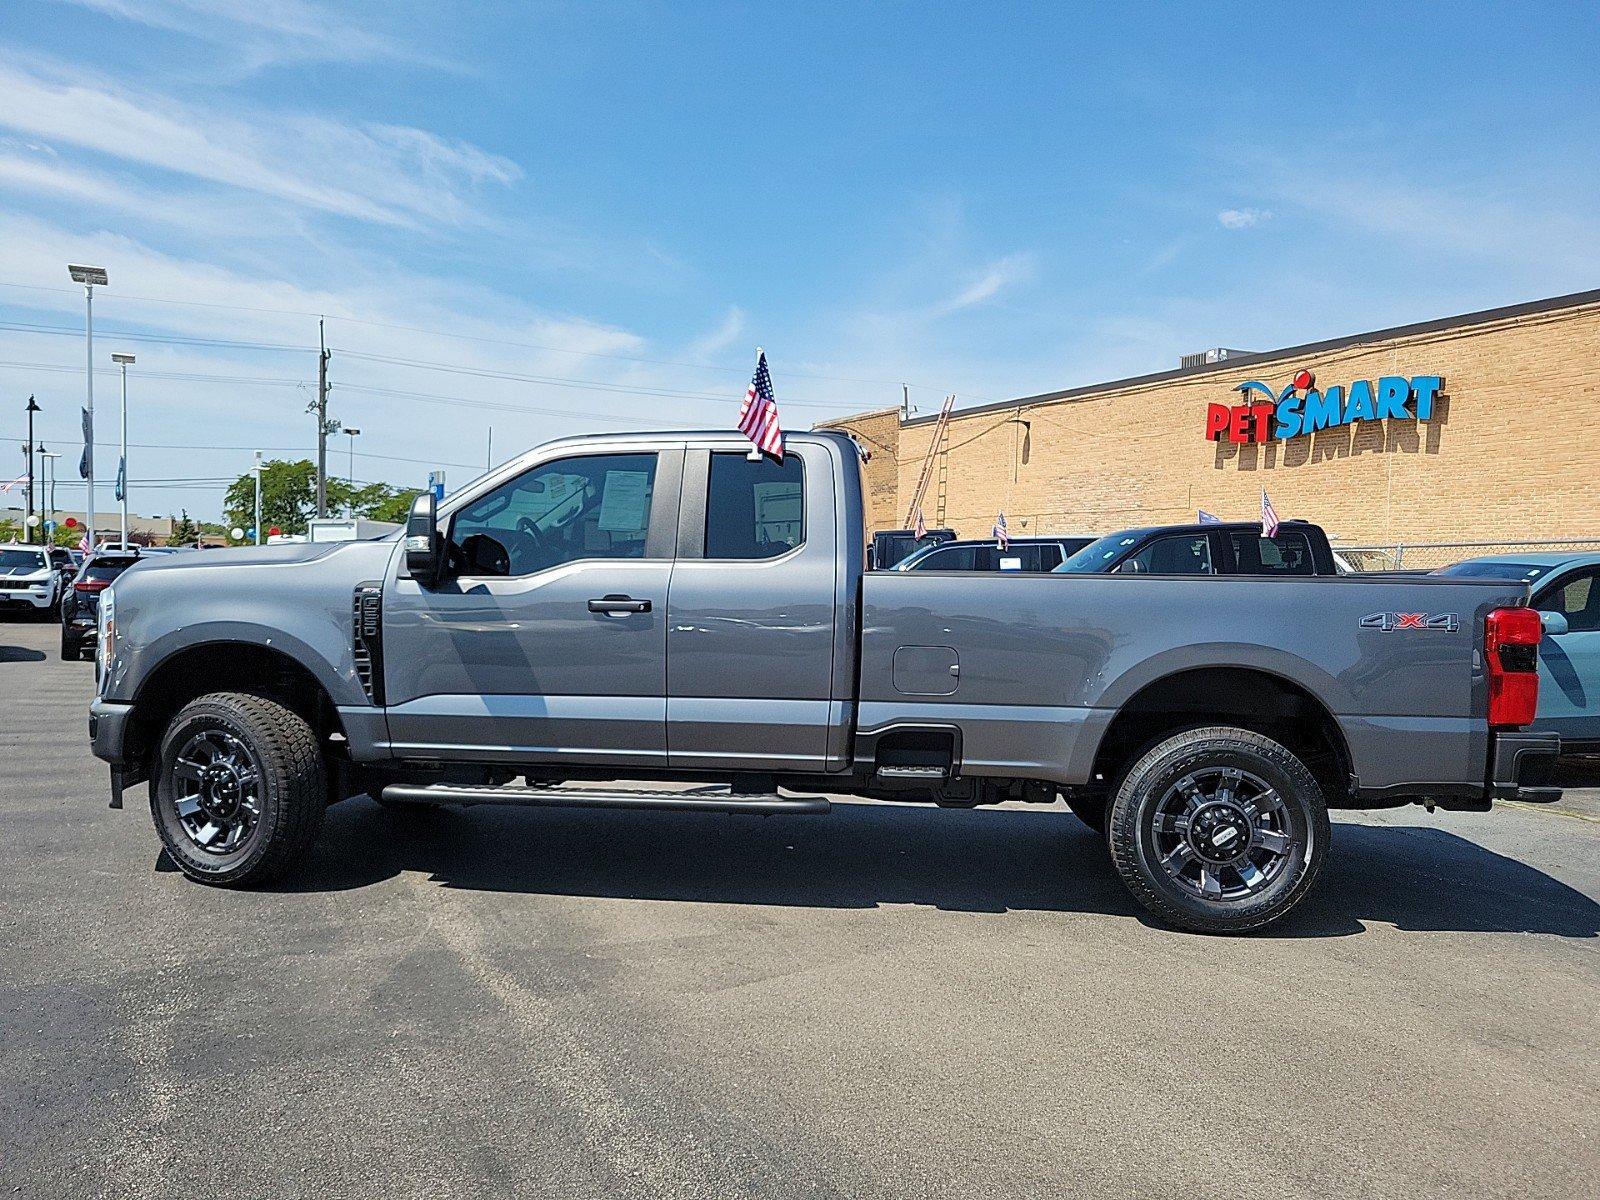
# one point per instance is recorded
(32, 577)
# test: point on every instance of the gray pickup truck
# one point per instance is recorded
(661, 607)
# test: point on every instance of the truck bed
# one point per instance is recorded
(1042, 663)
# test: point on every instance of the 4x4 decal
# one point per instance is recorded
(1388, 622)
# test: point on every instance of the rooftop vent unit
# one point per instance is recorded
(1190, 361)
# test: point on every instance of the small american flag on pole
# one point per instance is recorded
(1269, 516)
(920, 528)
(23, 478)
(84, 544)
(1002, 535)
(758, 416)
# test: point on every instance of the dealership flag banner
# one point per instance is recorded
(1207, 518)
(122, 477)
(86, 463)
(1001, 534)
(1269, 516)
(758, 417)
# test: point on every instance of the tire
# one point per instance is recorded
(266, 823)
(71, 647)
(1185, 808)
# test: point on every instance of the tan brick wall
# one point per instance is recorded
(879, 431)
(1512, 454)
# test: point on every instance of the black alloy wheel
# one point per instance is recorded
(1219, 830)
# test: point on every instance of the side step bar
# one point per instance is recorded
(758, 805)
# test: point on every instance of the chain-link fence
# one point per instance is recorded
(1425, 556)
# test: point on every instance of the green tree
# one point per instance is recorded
(184, 531)
(10, 531)
(289, 498)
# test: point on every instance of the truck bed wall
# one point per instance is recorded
(1045, 661)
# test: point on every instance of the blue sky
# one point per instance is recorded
(587, 215)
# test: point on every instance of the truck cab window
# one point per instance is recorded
(1183, 555)
(754, 509)
(591, 506)
(1286, 554)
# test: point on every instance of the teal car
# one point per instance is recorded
(1566, 591)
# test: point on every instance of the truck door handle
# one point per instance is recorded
(619, 604)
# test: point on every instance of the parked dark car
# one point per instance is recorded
(1032, 554)
(1566, 591)
(1226, 548)
(891, 546)
(80, 604)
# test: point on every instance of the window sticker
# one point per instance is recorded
(626, 500)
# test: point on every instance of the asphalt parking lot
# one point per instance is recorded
(886, 1001)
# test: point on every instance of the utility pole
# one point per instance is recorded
(258, 498)
(322, 421)
(27, 522)
(123, 360)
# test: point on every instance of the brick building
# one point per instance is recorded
(1499, 439)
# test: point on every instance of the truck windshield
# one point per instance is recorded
(12, 560)
(1097, 555)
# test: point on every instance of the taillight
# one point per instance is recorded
(91, 585)
(1511, 649)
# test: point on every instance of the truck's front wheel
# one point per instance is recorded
(1219, 830)
(239, 790)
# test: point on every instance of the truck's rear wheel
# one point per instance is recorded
(1219, 830)
(239, 790)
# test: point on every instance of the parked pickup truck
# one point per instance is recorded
(660, 607)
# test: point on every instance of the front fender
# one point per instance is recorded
(135, 666)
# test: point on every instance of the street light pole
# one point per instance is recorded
(258, 498)
(122, 463)
(27, 524)
(88, 276)
(49, 506)
(354, 434)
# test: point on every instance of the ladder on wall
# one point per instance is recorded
(941, 430)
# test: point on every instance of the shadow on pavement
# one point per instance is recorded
(10, 654)
(863, 855)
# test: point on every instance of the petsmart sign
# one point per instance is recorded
(1301, 408)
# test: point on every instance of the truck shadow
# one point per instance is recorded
(865, 855)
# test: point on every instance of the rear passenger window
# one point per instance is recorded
(1183, 555)
(956, 558)
(754, 509)
(1286, 554)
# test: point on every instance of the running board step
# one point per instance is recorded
(724, 802)
(924, 774)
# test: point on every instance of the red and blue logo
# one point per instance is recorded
(1300, 408)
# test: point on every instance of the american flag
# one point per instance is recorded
(1209, 518)
(1269, 516)
(920, 528)
(23, 478)
(1001, 534)
(758, 416)
(84, 544)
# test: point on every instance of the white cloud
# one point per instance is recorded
(1243, 218)
(989, 283)
(380, 173)
(262, 31)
